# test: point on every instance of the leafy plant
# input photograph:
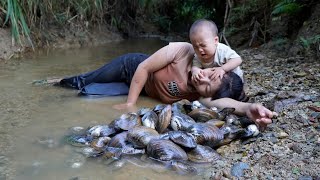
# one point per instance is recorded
(286, 7)
(307, 43)
(18, 23)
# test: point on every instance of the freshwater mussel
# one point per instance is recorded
(165, 150)
(140, 136)
(182, 134)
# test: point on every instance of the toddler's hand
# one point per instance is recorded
(197, 75)
(218, 72)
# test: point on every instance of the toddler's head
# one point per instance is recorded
(203, 35)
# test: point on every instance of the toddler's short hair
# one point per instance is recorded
(200, 23)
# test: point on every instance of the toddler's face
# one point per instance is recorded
(204, 45)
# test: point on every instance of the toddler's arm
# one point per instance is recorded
(228, 66)
(196, 73)
(196, 70)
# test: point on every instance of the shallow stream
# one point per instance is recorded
(34, 119)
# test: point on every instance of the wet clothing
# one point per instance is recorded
(112, 79)
(222, 55)
(168, 84)
(171, 81)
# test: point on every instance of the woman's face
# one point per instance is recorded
(206, 86)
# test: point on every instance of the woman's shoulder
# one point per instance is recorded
(179, 51)
(180, 45)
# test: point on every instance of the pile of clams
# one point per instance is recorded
(181, 135)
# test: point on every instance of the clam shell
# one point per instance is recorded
(164, 119)
(101, 130)
(203, 115)
(232, 119)
(204, 133)
(78, 140)
(182, 106)
(231, 133)
(90, 152)
(119, 140)
(215, 122)
(150, 119)
(165, 150)
(143, 111)
(126, 121)
(140, 136)
(183, 168)
(182, 138)
(180, 121)
(203, 154)
(101, 142)
(158, 108)
(225, 112)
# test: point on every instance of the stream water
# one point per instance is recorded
(34, 119)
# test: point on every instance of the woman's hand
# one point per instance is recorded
(128, 106)
(260, 115)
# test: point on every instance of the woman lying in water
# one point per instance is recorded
(166, 75)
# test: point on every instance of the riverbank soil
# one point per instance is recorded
(7, 50)
(72, 36)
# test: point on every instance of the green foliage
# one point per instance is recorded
(289, 7)
(163, 22)
(231, 30)
(308, 43)
(181, 13)
(244, 12)
(17, 20)
(21, 14)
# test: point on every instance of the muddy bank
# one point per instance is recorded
(7, 50)
(56, 38)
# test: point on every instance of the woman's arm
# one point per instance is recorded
(256, 112)
(156, 61)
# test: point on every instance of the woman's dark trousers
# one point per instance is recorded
(113, 78)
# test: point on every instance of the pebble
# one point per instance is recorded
(305, 178)
(282, 135)
(296, 148)
(238, 168)
(258, 56)
(76, 165)
(257, 156)
(274, 140)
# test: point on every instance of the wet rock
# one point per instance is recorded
(47, 142)
(237, 157)
(298, 137)
(257, 156)
(258, 56)
(75, 161)
(273, 140)
(282, 135)
(280, 105)
(208, 174)
(237, 169)
(305, 178)
(296, 148)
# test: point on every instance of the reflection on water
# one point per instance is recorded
(34, 118)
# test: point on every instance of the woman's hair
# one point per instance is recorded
(231, 87)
